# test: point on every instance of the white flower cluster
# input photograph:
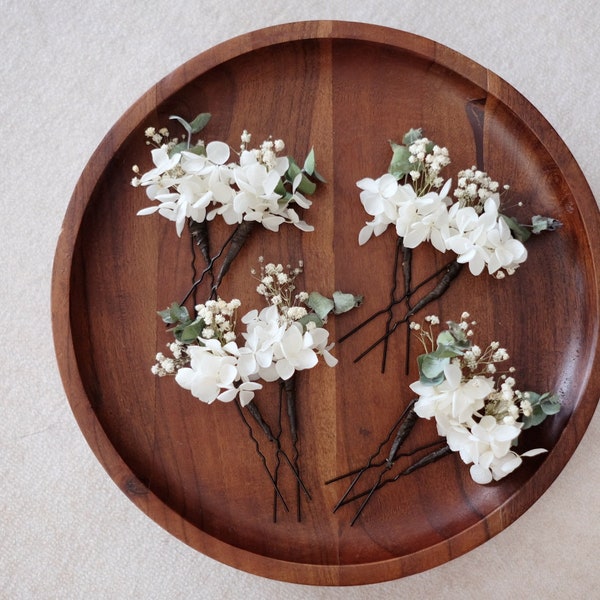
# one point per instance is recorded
(472, 227)
(218, 318)
(477, 413)
(169, 365)
(427, 160)
(201, 183)
(276, 345)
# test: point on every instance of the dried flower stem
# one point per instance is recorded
(370, 464)
(236, 243)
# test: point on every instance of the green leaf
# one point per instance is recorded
(550, 403)
(429, 371)
(344, 302)
(309, 162)
(542, 406)
(399, 165)
(431, 368)
(280, 188)
(519, 231)
(293, 170)
(540, 224)
(183, 123)
(412, 136)
(537, 416)
(198, 149)
(311, 318)
(174, 314)
(200, 122)
(189, 333)
(321, 305)
(181, 147)
(461, 340)
(306, 186)
(319, 177)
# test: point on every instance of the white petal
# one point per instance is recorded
(363, 236)
(147, 211)
(284, 369)
(217, 152)
(228, 395)
(534, 452)
(480, 475)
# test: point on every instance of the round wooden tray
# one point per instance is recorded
(346, 88)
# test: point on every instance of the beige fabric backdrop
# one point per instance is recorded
(68, 70)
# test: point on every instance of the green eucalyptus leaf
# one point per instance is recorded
(293, 169)
(445, 338)
(309, 162)
(199, 149)
(431, 366)
(182, 146)
(550, 403)
(533, 398)
(343, 302)
(399, 165)
(280, 188)
(200, 122)
(540, 224)
(189, 333)
(321, 305)
(461, 341)
(448, 351)
(411, 136)
(519, 231)
(306, 186)
(174, 314)
(536, 417)
(311, 318)
(318, 176)
(430, 372)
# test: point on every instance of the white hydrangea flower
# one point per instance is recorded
(378, 201)
(294, 352)
(454, 397)
(432, 221)
(211, 371)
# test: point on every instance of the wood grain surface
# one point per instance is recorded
(346, 89)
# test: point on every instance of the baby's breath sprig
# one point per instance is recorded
(276, 285)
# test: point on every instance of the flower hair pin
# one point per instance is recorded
(478, 411)
(198, 183)
(287, 336)
(469, 223)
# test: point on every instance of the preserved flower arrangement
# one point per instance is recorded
(469, 223)
(478, 411)
(210, 355)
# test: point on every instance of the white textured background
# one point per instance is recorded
(68, 70)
